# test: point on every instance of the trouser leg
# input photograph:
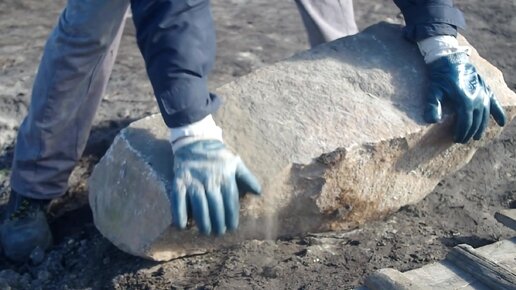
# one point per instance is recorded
(71, 79)
(177, 42)
(327, 20)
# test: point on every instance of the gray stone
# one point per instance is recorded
(335, 135)
(44, 276)
(12, 279)
(8, 129)
(4, 285)
(37, 256)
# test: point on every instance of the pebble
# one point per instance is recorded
(311, 241)
(44, 275)
(10, 276)
(37, 256)
(302, 253)
(354, 242)
(25, 279)
(36, 285)
(13, 280)
(4, 285)
(53, 262)
(246, 272)
(270, 272)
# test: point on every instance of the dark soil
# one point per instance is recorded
(250, 34)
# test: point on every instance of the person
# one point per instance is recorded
(177, 41)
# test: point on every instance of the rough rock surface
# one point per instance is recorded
(334, 133)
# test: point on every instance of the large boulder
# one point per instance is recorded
(335, 135)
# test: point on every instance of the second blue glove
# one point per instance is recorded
(455, 80)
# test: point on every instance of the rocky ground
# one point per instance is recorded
(250, 34)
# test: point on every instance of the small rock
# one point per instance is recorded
(312, 241)
(301, 253)
(11, 277)
(37, 256)
(53, 262)
(4, 285)
(354, 243)
(36, 284)
(44, 276)
(246, 272)
(270, 272)
(25, 280)
(106, 261)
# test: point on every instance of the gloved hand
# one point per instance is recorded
(209, 177)
(454, 79)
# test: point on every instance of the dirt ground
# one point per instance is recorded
(250, 34)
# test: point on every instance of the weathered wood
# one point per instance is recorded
(496, 276)
(465, 269)
(502, 253)
(507, 217)
(391, 279)
(443, 275)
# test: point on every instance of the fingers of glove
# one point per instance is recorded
(200, 208)
(231, 203)
(475, 125)
(216, 206)
(497, 111)
(433, 110)
(178, 200)
(483, 124)
(246, 181)
(463, 124)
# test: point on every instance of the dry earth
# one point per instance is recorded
(250, 34)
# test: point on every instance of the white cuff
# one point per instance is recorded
(435, 47)
(205, 129)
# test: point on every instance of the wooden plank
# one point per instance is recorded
(443, 275)
(502, 253)
(391, 279)
(507, 217)
(496, 276)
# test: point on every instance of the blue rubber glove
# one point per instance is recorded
(210, 178)
(453, 79)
